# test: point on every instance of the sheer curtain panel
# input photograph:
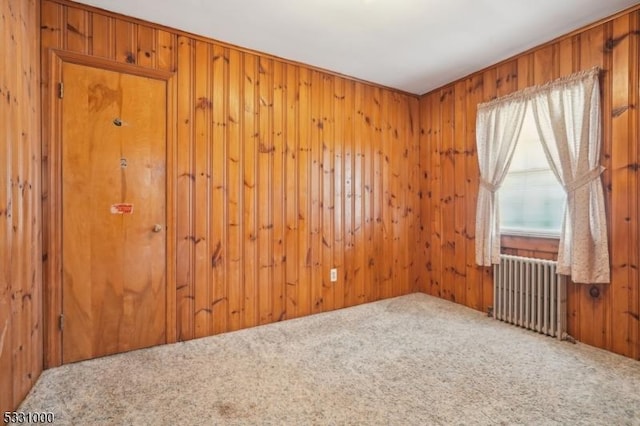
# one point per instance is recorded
(498, 127)
(567, 114)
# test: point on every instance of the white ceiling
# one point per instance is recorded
(411, 45)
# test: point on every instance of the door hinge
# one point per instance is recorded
(61, 90)
(61, 322)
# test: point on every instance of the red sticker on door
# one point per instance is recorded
(122, 208)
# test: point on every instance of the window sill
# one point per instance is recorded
(530, 233)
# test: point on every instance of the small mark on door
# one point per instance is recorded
(123, 163)
(121, 208)
(101, 96)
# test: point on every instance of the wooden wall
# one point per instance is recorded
(283, 173)
(20, 224)
(449, 180)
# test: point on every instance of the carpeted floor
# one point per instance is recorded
(412, 360)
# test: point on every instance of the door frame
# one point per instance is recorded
(52, 193)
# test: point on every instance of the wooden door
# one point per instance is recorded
(113, 212)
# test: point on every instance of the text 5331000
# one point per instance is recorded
(20, 417)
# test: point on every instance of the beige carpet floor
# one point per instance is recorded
(412, 360)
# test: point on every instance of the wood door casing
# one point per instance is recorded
(114, 265)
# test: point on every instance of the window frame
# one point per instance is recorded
(531, 232)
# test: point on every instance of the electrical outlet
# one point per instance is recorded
(334, 275)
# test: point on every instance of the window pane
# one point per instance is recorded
(531, 199)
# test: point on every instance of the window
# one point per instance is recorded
(532, 201)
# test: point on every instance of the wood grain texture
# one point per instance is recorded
(282, 173)
(20, 221)
(611, 320)
(114, 265)
(370, 212)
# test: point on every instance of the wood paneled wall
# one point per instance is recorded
(20, 223)
(284, 172)
(449, 180)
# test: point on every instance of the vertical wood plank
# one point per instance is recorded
(349, 193)
(249, 214)
(543, 65)
(634, 189)
(304, 194)
(620, 185)
(415, 231)
(357, 294)
(371, 180)
(447, 195)
(264, 189)
(125, 43)
(393, 190)
(17, 104)
(524, 70)
(473, 271)
(293, 156)
(78, 30)
(405, 170)
(219, 232)
(235, 186)
(423, 269)
(326, 143)
(409, 230)
(567, 61)
(316, 192)
(146, 52)
(507, 78)
(395, 154)
(185, 187)
(376, 196)
(10, 116)
(165, 49)
(606, 62)
(402, 167)
(279, 183)
(6, 148)
(338, 190)
(102, 38)
(459, 193)
(436, 237)
(202, 188)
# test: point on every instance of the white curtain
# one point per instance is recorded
(568, 117)
(498, 127)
